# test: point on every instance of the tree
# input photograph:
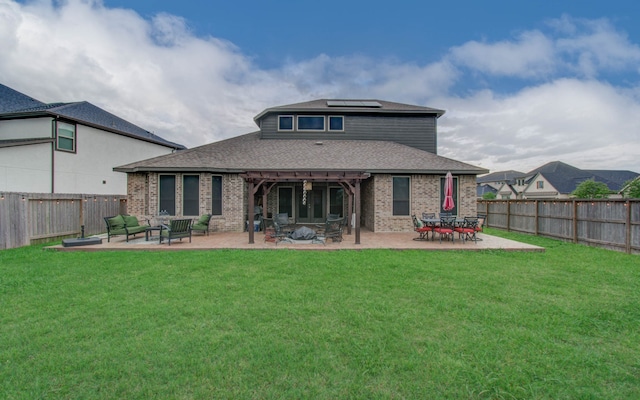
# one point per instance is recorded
(591, 189)
(632, 189)
(489, 196)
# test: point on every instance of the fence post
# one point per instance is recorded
(508, 215)
(628, 227)
(575, 222)
(537, 216)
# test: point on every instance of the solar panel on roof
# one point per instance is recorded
(353, 103)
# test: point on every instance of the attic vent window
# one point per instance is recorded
(353, 103)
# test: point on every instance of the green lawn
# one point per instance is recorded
(286, 324)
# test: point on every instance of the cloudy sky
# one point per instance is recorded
(522, 84)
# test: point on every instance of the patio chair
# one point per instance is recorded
(177, 229)
(467, 231)
(278, 232)
(202, 224)
(446, 228)
(423, 230)
(333, 229)
(283, 221)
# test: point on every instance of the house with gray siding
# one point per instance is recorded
(374, 162)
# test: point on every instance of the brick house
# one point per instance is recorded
(374, 161)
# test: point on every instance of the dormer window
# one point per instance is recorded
(311, 123)
(285, 122)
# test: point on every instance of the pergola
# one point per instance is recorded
(264, 181)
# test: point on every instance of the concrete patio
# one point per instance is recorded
(368, 240)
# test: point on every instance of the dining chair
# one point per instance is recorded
(446, 228)
(423, 230)
(467, 230)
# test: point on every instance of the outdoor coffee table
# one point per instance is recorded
(149, 232)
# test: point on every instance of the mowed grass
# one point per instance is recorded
(286, 324)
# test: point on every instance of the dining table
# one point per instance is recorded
(433, 222)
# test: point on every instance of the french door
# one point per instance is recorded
(312, 208)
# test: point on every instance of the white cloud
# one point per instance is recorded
(588, 124)
(530, 56)
(194, 90)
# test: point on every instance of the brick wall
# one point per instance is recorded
(376, 193)
(143, 199)
(425, 197)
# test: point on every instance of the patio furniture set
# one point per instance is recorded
(168, 229)
(282, 229)
(447, 225)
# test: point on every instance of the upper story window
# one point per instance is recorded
(285, 122)
(539, 184)
(65, 136)
(336, 123)
(311, 123)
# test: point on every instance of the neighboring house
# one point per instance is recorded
(507, 192)
(372, 161)
(68, 147)
(495, 181)
(624, 191)
(558, 180)
(482, 190)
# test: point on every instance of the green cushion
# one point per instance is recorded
(116, 222)
(204, 220)
(130, 221)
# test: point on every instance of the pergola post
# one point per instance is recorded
(250, 207)
(358, 209)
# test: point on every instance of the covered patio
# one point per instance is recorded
(261, 182)
(370, 240)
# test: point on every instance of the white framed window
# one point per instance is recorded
(65, 136)
(336, 123)
(311, 122)
(285, 122)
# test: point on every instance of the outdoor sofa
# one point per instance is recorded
(127, 225)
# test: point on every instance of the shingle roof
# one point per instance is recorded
(13, 104)
(11, 100)
(250, 153)
(565, 178)
(321, 105)
(499, 176)
(617, 176)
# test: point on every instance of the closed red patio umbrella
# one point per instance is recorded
(448, 203)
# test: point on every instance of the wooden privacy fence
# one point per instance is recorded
(610, 223)
(29, 218)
